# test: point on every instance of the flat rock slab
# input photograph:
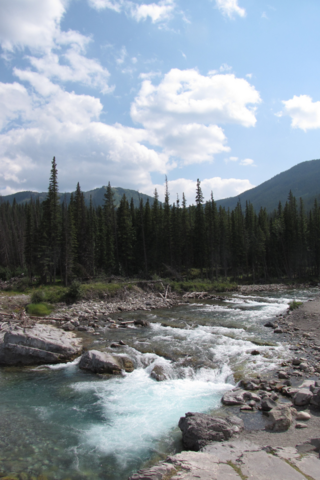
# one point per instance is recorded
(264, 466)
(36, 345)
(234, 461)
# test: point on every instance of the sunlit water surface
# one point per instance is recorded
(64, 423)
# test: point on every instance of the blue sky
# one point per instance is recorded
(129, 91)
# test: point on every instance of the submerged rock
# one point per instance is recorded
(158, 373)
(199, 429)
(38, 345)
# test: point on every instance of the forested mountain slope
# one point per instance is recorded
(97, 196)
(303, 180)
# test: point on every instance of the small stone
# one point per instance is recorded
(301, 425)
(255, 352)
(304, 366)
(278, 330)
(296, 361)
(283, 374)
(303, 416)
(246, 408)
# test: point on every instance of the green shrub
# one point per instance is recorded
(39, 309)
(294, 304)
(38, 296)
(74, 292)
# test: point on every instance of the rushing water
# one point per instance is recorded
(67, 424)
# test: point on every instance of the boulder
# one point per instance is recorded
(142, 323)
(316, 398)
(302, 397)
(234, 397)
(100, 362)
(68, 327)
(280, 418)
(267, 404)
(199, 429)
(158, 373)
(271, 324)
(37, 345)
(127, 364)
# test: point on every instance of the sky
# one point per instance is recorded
(132, 91)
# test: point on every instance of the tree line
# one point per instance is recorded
(69, 241)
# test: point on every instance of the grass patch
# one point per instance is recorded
(101, 290)
(237, 469)
(201, 286)
(39, 309)
(298, 470)
(294, 305)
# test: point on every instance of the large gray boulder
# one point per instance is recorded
(36, 345)
(199, 429)
(280, 418)
(103, 362)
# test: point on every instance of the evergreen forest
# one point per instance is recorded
(73, 240)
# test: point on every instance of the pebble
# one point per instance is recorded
(301, 425)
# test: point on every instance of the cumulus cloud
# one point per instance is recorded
(230, 8)
(182, 113)
(56, 122)
(32, 24)
(157, 12)
(59, 55)
(14, 101)
(304, 113)
(247, 162)
(220, 187)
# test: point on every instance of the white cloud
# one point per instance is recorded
(60, 55)
(14, 101)
(221, 188)
(157, 12)
(225, 68)
(76, 68)
(182, 112)
(230, 8)
(122, 56)
(115, 5)
(32, 23)
(304, 113)
(67, 125)
(247, 162)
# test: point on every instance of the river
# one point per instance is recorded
(63, 423)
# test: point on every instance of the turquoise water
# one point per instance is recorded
(63, 423)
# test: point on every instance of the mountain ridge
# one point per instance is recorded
(97, 195)
(303, 180)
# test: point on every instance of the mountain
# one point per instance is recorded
(302, 179)
(97, 196)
